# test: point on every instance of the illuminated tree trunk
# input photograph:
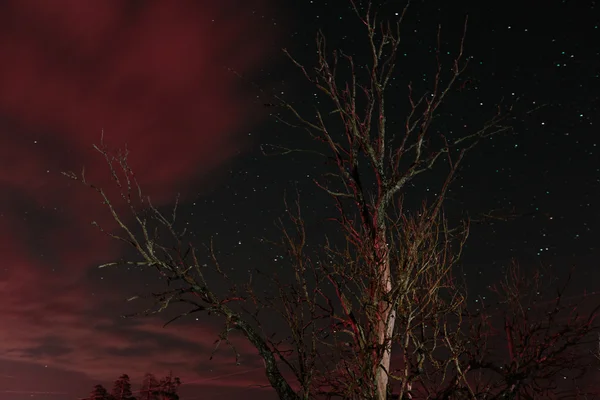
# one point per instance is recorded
(386, 317)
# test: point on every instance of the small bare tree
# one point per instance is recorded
(531, 344)
(384, 287)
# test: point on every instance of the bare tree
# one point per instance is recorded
(543, 335)
(386, 285)
(369, 148)
(154, 236)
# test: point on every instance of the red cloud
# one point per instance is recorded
(152, 74)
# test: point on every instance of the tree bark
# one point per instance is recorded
(386, 317)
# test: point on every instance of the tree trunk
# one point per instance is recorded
(386, 314)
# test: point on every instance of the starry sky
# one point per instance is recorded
(157, 76)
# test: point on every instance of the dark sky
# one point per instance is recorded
(154, 74)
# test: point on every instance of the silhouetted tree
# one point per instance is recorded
(99, 393)
(168, 387)
(122, 388)
(150, 388)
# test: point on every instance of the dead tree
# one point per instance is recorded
(386, 286)
(154, 236)
(374, 165)
(536, 342)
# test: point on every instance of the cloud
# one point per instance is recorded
(151, 74)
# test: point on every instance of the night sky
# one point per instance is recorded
(157, 76)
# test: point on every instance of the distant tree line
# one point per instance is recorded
(151, 389)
